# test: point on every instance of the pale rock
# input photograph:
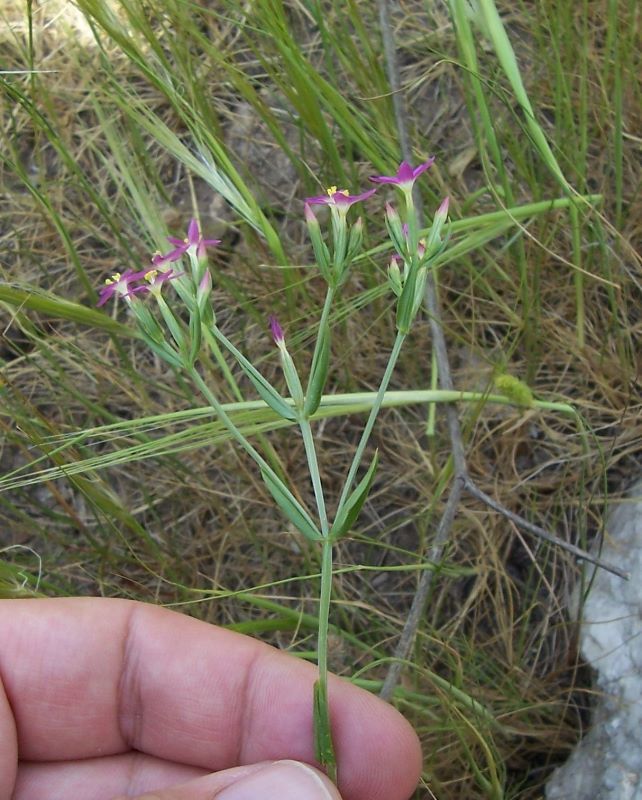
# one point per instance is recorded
(607, 764)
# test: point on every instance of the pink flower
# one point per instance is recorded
(193, 242)
(406, 175)
(121, 285)
(340, 199)
(156, 279)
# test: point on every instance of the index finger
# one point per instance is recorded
(89, 677)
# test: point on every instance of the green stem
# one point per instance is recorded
(324, 608)
(431, 422)
(374, 411)
(576, 238)
(324, 623)
(315, 477)
(325, 313)
(326, 554)
(326, 559)
(306, 429)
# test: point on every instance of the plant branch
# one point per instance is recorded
(374, 412)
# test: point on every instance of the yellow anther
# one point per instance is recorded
(149, 276)
(114, 279)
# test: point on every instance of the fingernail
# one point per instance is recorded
(283, 780)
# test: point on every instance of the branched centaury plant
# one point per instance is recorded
(180, 344)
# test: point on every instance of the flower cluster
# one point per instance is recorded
(151, 280)
(347, 239)
(334, 256)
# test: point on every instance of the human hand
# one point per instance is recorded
(106, 698)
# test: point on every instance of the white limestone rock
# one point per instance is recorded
(607, 764)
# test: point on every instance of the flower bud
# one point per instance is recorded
(395, 230)
(289, 370)
(392, 216)
(355, 240)
(203, 299)
(442, 211)
(394, 276)
(310, 216)
(276, 330)
(204, 290)
(439, 220)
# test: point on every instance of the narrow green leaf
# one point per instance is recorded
(269, 393)
(318, 373)
(347, 515)
(171, 322)
(265, 389)
(322, 256)
(147, 322)
(291, 507)
(506, 56)
(163, 350)
(355, 240)
(50, 304)
(406, 303)
(195, 335)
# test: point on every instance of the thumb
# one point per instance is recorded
(279, 780)
(283, 780)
